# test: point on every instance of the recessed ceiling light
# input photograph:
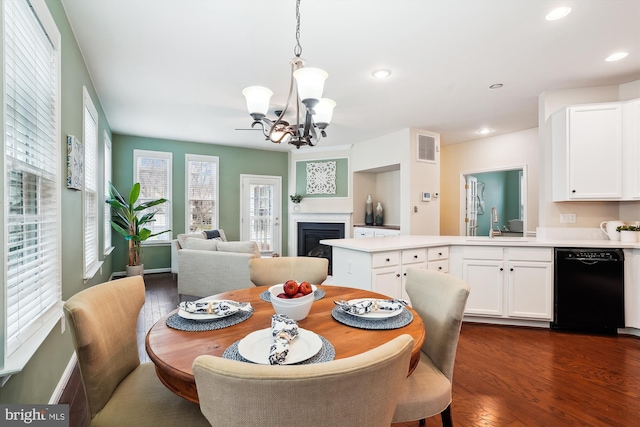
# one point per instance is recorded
(616, 56)
(496, 86)
(558, 13)
(381, 74)
(484, 131)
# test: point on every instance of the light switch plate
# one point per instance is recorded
(567, 218)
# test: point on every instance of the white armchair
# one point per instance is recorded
(179, 243)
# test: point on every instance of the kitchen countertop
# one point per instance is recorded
(378, 244)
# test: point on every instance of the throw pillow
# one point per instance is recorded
(182, 238)
(215, 234)
(247, 247)
(201, 244)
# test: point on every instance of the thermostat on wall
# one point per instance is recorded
(426, 196)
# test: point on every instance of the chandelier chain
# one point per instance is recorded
(297, 51)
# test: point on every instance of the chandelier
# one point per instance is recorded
(313, 113)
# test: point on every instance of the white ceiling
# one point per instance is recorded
(175, 69)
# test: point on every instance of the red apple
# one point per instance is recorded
(283, 295)
(305, 288)
(298, 295)
(291, 287)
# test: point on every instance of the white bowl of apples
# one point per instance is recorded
(292, 298)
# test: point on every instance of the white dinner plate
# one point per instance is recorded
(381, 314)
(205, 316)
(255, 347)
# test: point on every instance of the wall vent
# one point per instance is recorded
(426, 149)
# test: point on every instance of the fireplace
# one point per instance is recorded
(310, 234)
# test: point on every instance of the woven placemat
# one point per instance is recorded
(317, 294)
(395, 322)
(175, 321)
(326, 354)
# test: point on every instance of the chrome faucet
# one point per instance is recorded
(494, 220)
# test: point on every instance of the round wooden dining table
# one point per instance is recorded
(173, 351)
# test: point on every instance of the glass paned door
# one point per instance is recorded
(472, 206)
(261, 213)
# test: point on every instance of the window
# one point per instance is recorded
(152, 169)
(32, 172)
(90, 190)
(202, 193)
(108, 246)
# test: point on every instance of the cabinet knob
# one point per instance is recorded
(387, 259)
(439, 268)
(415, 256)
(440, 253)
(405, 274)
(501, 269)
(573, 191)
(398, 275)
(511, 269)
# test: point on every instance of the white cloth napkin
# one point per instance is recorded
(219, 307)
(371, 305)
(284, 330)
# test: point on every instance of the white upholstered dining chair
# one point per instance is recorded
(271, 271)
(119, 390)
(354, 391)
(440, 300)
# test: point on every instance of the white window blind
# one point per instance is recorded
(32, 176)
(90, 190)
(202, 193)
(152, 169)
(108, 246)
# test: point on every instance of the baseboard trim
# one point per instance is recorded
(150, 271)
(64, 380)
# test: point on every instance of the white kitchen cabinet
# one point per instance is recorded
(631, 149)
(508, 282)
(411, 258)
(359, 232)
(387, 281)
(438, 259)
(586, 139)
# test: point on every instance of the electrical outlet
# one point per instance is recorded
(567, 218)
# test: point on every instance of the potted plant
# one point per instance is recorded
(128, 219)
(296, 199)
(628, 233)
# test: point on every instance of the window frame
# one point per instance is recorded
(90, 188)
(165, 238)
(14, 360)
(216, 189)
(107, 232)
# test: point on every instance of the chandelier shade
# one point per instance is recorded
(310, 84)
(258, 98)
(312, 112)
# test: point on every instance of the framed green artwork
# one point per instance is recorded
(322, 178)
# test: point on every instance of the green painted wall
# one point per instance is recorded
(234, 161)
(36, 383)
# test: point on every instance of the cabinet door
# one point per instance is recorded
(530, 290)
(485, 279)
(595, 144)
(631, 149)
(386, 281)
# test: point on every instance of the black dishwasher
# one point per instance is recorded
(589, 290)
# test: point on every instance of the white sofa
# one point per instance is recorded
(208, 267)
(179, 242)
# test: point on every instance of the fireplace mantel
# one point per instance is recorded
(335, 217)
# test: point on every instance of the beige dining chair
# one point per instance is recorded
(119, 390)
(271, 271)
(439, 299)
(354, 391)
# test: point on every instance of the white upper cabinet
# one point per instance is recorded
(587, 152)
(631, 149)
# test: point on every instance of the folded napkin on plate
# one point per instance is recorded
(284, 330)
(371, 305)
(219, 307)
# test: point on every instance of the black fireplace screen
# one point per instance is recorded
(310, 234)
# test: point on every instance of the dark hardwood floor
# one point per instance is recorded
(504, 376)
